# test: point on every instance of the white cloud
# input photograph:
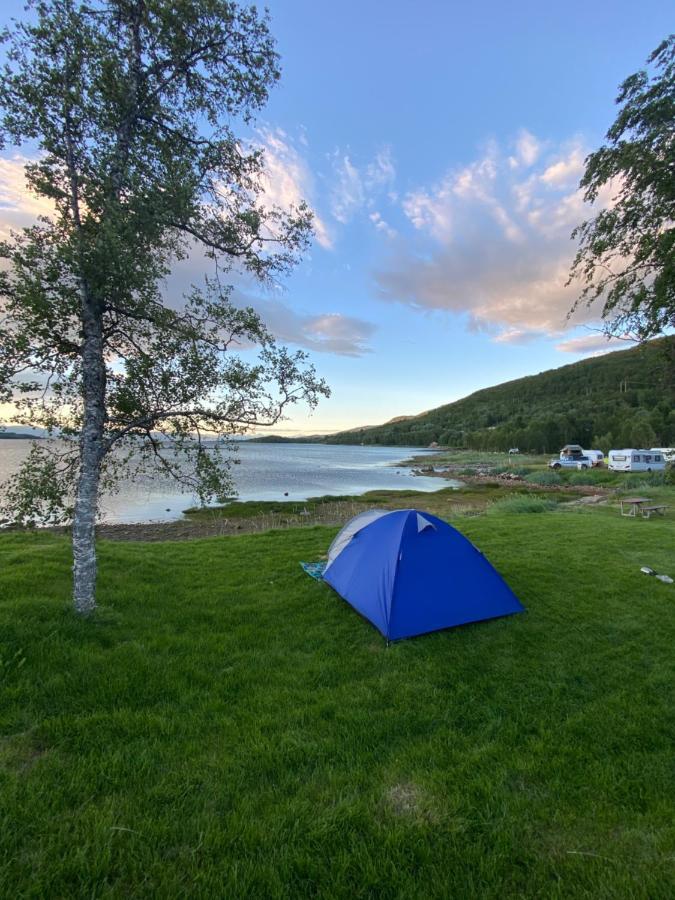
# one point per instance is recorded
(356, 187)
(430, 212)
(494, 242)
(567, 170)
(348, 193)
(381, 171)
(381, 225)
(438, 210)
(527, 148)
(288, 179)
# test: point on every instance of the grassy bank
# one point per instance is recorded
(447, 502)
(226, 726)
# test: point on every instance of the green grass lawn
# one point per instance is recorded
(227, 727)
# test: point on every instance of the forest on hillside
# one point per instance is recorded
(620, 399)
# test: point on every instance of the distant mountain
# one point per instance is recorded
(393, 421)
(620, 399)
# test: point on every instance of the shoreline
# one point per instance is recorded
(468, 483)
(249, 517)
(165, 506)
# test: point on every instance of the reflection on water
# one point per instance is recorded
(263, 472)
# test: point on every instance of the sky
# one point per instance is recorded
(440, 146)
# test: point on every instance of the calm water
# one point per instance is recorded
(264, 472)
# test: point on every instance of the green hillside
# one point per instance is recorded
(621, 399)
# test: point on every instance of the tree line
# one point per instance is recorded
(622, 399)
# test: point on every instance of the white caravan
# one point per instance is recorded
(636, 461)
(668, 453)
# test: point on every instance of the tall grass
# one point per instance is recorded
(521, 505)
(544, 478)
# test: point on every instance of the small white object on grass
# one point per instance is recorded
(666, 579)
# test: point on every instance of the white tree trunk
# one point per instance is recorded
(84, 538)
(91, 454)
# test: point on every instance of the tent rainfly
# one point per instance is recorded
(409, 573)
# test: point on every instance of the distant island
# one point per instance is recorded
(19, 436)
(283, 439)
(621, 399)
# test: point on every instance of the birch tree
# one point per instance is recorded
(626, 255)
(129, 107)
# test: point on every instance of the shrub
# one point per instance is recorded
(583, 478)
(669, 474)
(601, 476)
(644, 479)
(522, 504)
(544, 478)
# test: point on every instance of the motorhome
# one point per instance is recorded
(636, 461)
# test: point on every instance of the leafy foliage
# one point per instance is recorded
(626, 256)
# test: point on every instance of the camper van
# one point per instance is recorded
(635, 461)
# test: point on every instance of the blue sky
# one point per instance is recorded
(440, 145)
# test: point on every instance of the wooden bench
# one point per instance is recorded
(648, 510)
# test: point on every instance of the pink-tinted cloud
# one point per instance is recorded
(288, 179)
(322, 332)
(19, 207)
(493, 242)
(592, 344)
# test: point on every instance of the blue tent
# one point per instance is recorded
(409, 572)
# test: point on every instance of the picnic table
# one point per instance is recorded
(633, 504)
(637, 504)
